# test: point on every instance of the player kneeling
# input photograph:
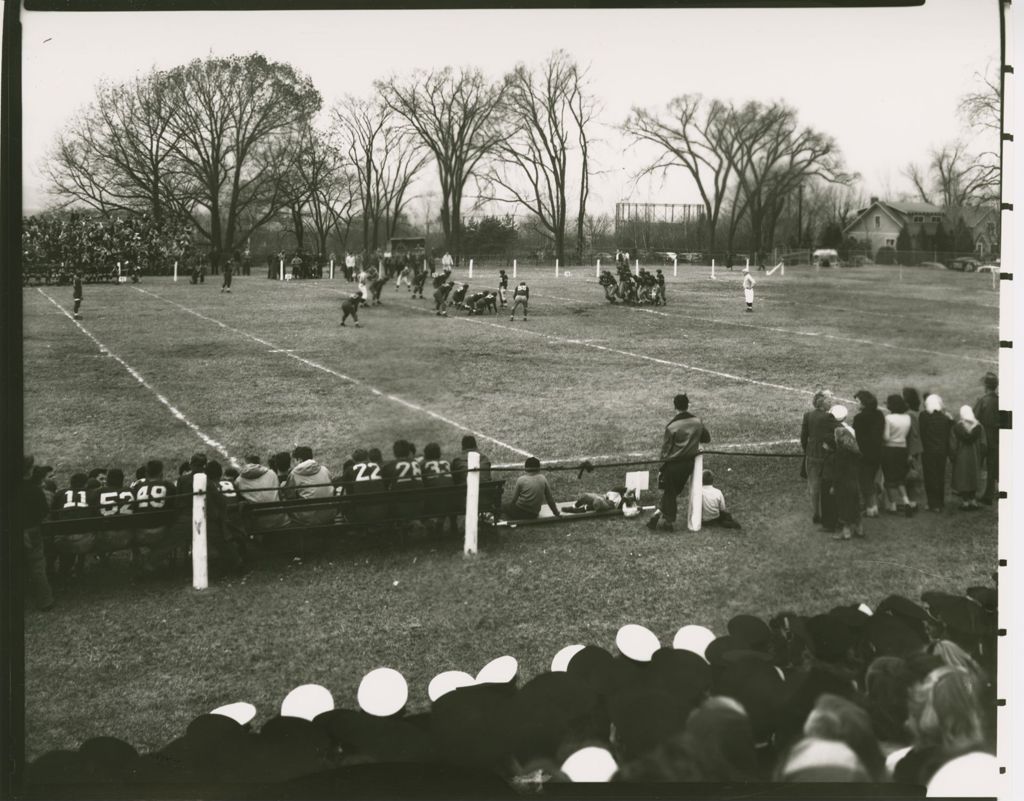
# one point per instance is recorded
(350, 308)
(611, 286)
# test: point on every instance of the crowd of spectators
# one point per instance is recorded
(903, 693)
(56, 246)
(897, 461)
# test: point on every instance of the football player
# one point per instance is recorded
(520, 297)
(437, 472)
(69, 504)
(502, 287)
(607, 280)
(76, 294)
(403, 473)
(441, 298)
(479, 302)
(376, 285)
(350, 308)
(418, 282)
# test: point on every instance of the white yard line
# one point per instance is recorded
(355, 381)
(586, 344)
(786, 331)
(208, 440)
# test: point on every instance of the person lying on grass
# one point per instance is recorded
(602, 502)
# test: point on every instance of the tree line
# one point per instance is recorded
(231, 144)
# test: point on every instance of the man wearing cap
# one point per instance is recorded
(683, 436)
(986, 410)
(531, 491)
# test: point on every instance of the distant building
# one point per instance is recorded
(880, 224)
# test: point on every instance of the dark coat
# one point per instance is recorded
(966, 450)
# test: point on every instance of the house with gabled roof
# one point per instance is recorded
(880, 224)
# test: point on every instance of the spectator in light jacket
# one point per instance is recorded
(309, 479)
(257, 484)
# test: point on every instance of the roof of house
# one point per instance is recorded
(975, 214)
(911, 207)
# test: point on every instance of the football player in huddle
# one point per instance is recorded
(441, 298)
(459, 295)
(418, 282)
(607, 280)
(350, 308)
(376, 285)
(480, 302)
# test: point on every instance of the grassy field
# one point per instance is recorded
(163, 369)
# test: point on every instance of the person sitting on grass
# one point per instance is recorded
(713, 511)
(531, 491)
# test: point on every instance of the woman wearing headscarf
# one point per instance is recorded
(935, 426)
(894, 456)
(845, 476)
(967, 450)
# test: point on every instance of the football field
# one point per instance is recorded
(162, 369)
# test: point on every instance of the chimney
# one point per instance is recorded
(874, 199)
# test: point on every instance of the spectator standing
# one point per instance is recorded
(986, 411)
(76, 294)
(915, 474)
(350, 266)
(683, 436)
(895, 457)
(815, 430)
(33, 511)
(447, 262)
(935, 427)
(967, 451)
(530, 493)
(846, 476)
(229, 268)
(869, 425)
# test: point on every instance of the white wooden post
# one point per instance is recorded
(200, 577)
(332, 269)
(597, 270)
(175, 271)
(470, 268)
(636, 270)
(472, 501)
(119, 272)
(748, 264)
(696, 497)
(675, 267)
(556, 268)
(712, 268)
(514, 268)
(280, 270)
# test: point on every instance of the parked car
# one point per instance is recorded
(933, 265)
(691, 258)
(665, 256)
(989, 268)
(964, 265)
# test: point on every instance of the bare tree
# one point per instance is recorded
(697, 136)
(981, 109)
(238, 124)
(584, 107)
(383, 158)
(954, 178)
(454, 115)
(117, 154)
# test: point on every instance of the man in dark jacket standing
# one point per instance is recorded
(683, 436)
(986, 409)
(33, 511)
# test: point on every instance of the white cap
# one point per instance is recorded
(560, 661)
(498, 671)
(307, 701)
(693, 638)
(382, 692)
(240, 712)
(590, 764)
(974, 774)
(444, 683)
(866, 609)
(637, 642)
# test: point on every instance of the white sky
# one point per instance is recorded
(884, 82)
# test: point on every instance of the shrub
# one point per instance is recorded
(885, 255)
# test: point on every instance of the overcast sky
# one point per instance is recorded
(884, 82)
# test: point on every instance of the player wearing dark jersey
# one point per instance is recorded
(659, 296)
(403, 473)
(376, 285)
(607, 280)
(441, 298)
(520, 297)
(69, 504)
(418, 282)
(502, 287)
(459, 295)
(350, 308)
(113, 498)
(479, 302)
(437, 474)
(229, 269)
(362, 477)
(76, 294)
(155, 498)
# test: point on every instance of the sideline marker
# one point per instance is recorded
(712, 269)
(469, 546)
(470, 268)
(175, 271)
(514, 268)
(675, 267)
(597, 270)
(280, 270)
(332, 269)
(556, 268)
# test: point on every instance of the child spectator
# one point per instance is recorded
(713, 511)
(530, 493)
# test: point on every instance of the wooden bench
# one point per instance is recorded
(346, 512)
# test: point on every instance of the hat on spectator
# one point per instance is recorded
(447, 681)
(307, 701)
(852, 616)
(383, 692)
(816, 760)
(636, 642)
(693, 638)
(110, 758)
(502, 670)
(831, 637)
(974, 774)
(471, 725)
(552, 708)
(910, 613)
(749, 630)
(596, 668)
(892, 636)
(681, 673)
(988, 597)
(758, 687)
(720, 646)
(240, 712)
(958, 612)
(560, 661)
(590, 764)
